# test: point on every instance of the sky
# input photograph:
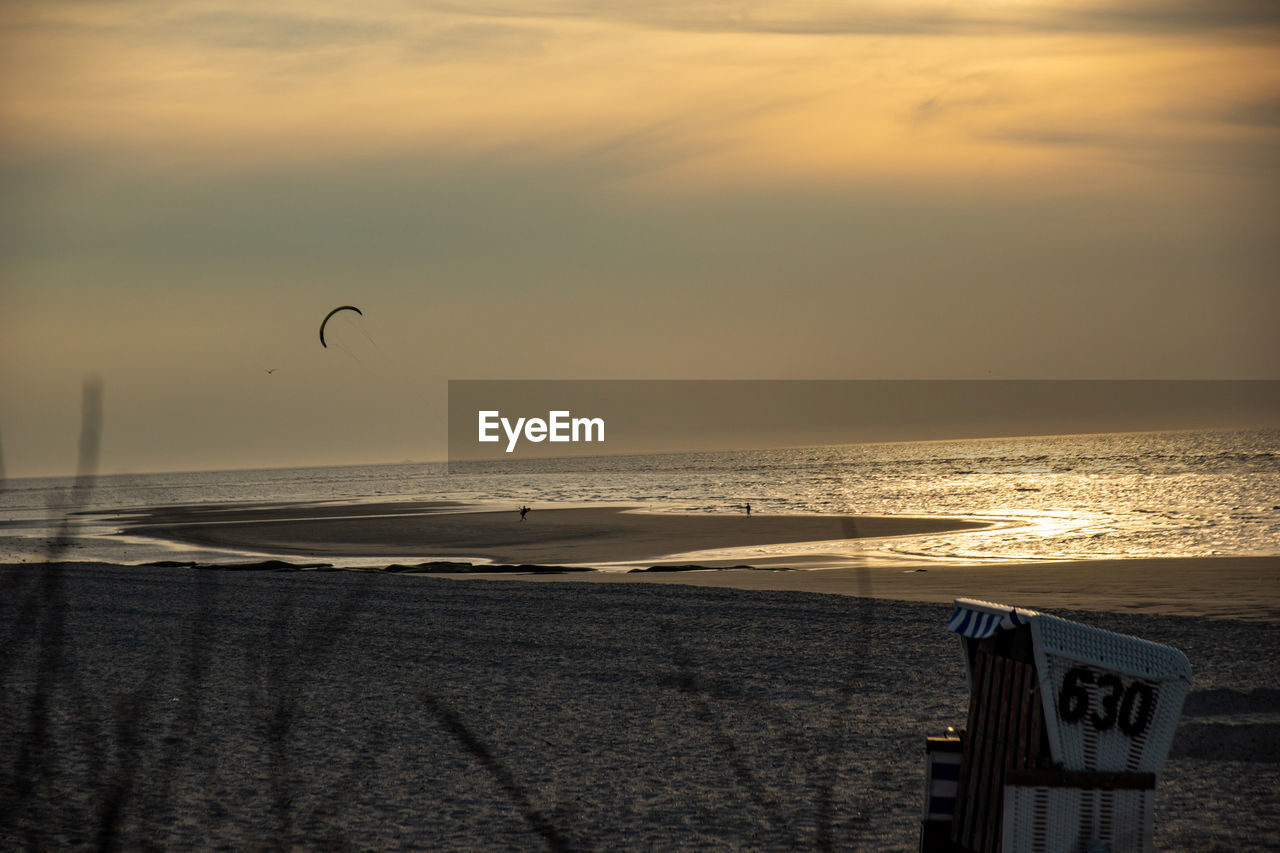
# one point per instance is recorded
(609, 190)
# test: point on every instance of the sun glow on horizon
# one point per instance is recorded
(759, 190)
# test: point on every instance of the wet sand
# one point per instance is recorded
(1225, 587)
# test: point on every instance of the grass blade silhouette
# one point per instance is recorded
(501, 776)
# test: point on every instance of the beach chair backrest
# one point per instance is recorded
(1111, 702)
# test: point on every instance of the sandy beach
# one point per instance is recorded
(1221, 587)
(779, 706)
(198, 709)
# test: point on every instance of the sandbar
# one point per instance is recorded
(570, 536)
(1220, 587)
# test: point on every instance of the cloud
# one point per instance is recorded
(924, 19)
(1261, 112)
(213, 23)
(710, 125)
(414, 36)
(276, 28)
(276, 31)
(475, 39)
(1163, 149)
(287, 26)
(1182, 16)
(964, 92)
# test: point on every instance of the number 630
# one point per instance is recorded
(1129, 706)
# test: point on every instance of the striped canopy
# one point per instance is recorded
(979, 619)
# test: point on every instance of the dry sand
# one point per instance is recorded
(183, 709)
(1225, 587)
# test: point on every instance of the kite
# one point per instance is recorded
(330, 314)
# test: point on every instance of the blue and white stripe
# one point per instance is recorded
(944, 780)
(980, 619)
(943, 756)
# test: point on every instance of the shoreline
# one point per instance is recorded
(622, 538)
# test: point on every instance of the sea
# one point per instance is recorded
(1155, 494)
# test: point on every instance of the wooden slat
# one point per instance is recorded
(1023, 749)
(1034, 735)
(962, 827)
(1000, 755)
(1003, 738)
(991, 745)
(988, 759)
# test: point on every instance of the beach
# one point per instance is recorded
(435, 674)
(1219, 587)
(570, 426)
(618, 538)
(193, 709)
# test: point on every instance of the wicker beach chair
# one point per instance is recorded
(1111, 701)
(1069, 728)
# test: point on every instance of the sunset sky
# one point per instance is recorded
(609, 190)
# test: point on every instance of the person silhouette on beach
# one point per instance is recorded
(524, 510)
(748, 507)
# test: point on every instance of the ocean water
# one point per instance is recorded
(1057, 497)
